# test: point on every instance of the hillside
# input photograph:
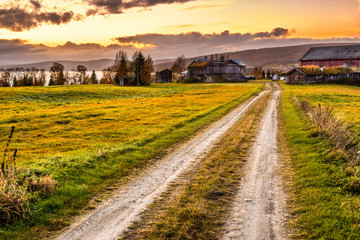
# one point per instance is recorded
(265, 57)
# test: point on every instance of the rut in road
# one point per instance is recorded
(259, 209)
(111, 219)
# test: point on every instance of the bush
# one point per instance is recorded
(191, 80)
(14, 199)
(346, 81)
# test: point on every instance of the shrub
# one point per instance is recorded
(346, 81)
(18, 189)
(191, 80)
(14, 199)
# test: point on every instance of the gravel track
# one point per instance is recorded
(108, 221)
(259, 209)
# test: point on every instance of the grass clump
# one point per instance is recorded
(18, 188)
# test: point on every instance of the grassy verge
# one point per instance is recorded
(196, 205)
(323, 205)
(82, 177)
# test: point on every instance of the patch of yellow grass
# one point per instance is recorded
(71, 120)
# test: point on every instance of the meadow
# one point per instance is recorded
(345, 100)
(324, 184)
(88, 137)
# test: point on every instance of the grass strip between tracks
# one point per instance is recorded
(196, 206)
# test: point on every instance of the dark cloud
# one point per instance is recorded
(119, 6)
(199, 39)
(18, 19)
(278, 32)
(36, 4)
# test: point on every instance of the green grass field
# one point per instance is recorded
(89, 137)
(324, 195)
(344, 99)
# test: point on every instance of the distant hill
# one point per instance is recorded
(96, 65)
(70, 65)
(265, 57)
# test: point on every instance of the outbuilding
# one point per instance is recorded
(164, 76)
(305, 75)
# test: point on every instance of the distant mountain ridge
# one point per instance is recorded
(264, 57)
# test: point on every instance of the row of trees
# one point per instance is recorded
(261, 74)
(79, 76)
(17, 77)
(125, 72)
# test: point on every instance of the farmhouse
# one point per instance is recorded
(336, 56)
(164, 76)
(209, 70)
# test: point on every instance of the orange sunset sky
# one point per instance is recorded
(92, 29)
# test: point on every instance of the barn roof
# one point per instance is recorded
(332, 53)
(315, 70)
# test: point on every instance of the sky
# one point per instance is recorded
(50, 30)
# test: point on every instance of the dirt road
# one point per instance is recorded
(111, 219)
(259, 210)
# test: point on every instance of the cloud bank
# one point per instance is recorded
(103, 7)
(24, 15)
(159, 46)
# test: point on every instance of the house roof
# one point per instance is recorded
(238, 62)
(165, 70)
(199, 63)
(332, 53)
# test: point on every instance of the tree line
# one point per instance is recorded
(124, 72)
(129, 72)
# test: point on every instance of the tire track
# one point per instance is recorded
(111, 219)
(259, 210)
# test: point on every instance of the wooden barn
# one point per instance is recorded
(208, 70)
(164, 76)
(304, 75)
(336, 56)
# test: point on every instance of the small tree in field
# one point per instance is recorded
(179, 65)
(93, 78)
(138, 62)
(57, 76)
(81, 74)
(121, 67)
(146, 70)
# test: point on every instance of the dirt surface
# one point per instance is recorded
(111, 219)
(259, 210)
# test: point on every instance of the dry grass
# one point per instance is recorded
(18, 189)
